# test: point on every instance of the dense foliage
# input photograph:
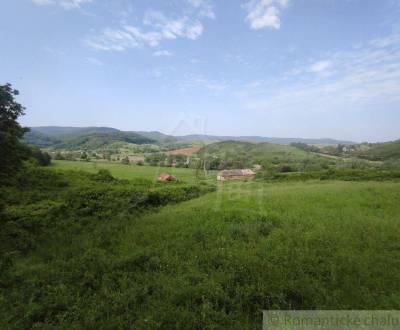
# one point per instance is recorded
(40, 140)
(12, 152)
(41, 157)
(97, 140)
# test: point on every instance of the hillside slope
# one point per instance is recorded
(384, 151)
(381, 151)
(236, 154)
(97, 140)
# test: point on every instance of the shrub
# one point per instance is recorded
(104, 176)
(285, 169)
(41, 157)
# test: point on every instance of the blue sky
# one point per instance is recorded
(284, 68)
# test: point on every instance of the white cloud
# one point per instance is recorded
(66, 4)
(159, 53)
(173, 28)
(264, 13)
(156, 28)
(204, 7)
(321, 66)
(362, 76)
(194, 31)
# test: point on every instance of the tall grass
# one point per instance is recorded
(217, 261)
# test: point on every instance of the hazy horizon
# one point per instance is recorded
(272, 68)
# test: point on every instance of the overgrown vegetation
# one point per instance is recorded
(213, 262)
(42, 203)
(12, 152)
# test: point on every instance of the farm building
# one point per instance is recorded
(164, 177)
(234, 174)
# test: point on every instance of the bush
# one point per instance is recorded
(285, 169)
(42, 158)
(104, 176)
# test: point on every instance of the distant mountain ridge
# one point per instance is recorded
(275, 140)
(49, 135)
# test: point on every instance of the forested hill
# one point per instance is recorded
(85, 137)
(59, 131)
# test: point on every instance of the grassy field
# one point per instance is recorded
(129, 172)
(215, 262)
(228, 255)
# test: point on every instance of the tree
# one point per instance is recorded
(285, 169)
(125, 161)
(12, 151)
(107, 156)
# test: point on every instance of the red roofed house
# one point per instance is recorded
(163, 177)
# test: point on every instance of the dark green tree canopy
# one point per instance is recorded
(12, 152)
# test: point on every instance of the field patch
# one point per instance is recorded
(184, 151)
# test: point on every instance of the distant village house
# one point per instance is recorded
(235, 174)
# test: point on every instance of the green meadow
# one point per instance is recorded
(129, 172)
(185, 257)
